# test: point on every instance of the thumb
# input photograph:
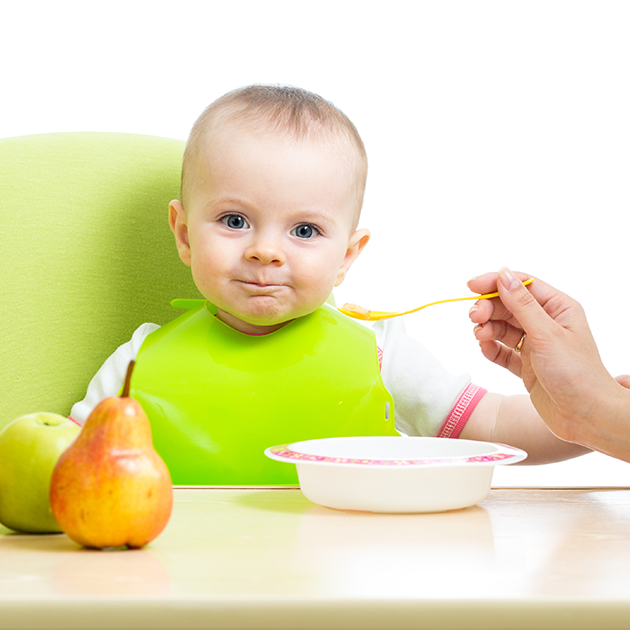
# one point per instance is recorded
(521, 303)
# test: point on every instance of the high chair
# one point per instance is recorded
(86, 256)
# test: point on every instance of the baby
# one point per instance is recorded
(272, 189)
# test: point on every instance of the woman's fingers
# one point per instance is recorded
(502, 355)
(499, 331)
(528, 306)
(492, 309)
(487, 282)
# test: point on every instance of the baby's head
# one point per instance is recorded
(272, 188)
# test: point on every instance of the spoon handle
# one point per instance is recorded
(377, 315)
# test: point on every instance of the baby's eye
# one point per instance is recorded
(235, 221)
(305, 231)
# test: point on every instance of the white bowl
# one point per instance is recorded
(395, 474)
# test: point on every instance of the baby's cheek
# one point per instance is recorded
(207, 278)
(319, 282)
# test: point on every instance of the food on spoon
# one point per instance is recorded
(361, 313)
(111, 488)
(29, 449)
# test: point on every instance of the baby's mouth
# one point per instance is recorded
(256, 285)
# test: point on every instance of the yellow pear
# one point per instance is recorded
(110, 488)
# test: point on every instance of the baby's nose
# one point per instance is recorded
(266, 251)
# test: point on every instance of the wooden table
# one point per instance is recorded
(261, 558)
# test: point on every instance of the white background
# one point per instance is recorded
(498, 133)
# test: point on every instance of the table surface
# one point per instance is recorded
(268, 558)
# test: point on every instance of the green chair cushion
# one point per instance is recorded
(86, 256)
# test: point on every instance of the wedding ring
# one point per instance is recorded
(521, 341)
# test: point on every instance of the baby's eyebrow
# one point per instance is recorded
(228, 200)
(313, 216)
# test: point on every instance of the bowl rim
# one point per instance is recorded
(498, 454)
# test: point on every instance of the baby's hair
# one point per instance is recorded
(276, 109)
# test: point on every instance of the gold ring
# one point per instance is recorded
(521, 341)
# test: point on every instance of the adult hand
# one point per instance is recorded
(558, 362)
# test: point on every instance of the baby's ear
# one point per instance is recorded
(355, 246)
(177, 221)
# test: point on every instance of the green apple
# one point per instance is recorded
(29, 449)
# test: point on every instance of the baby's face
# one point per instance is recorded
(269, 231)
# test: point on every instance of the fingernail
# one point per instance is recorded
(508, 279)
(477, 328)
(473, 308)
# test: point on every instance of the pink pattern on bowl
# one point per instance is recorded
(285, 452)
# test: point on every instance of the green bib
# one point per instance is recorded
(217, 398)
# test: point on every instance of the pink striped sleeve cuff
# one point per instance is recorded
(460, 413)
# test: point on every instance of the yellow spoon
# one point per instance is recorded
(352, 310)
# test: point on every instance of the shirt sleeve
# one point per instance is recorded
(428, 400)
(110, 378)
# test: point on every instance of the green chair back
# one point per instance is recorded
(86, 256)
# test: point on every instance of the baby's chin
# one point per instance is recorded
(263, 318)
(254, 324)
